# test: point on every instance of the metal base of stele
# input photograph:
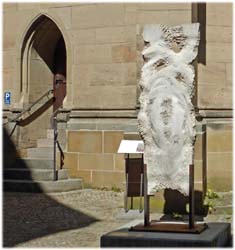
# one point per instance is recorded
(169, 227)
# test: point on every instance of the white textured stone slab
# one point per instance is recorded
(131, 147)
(166, 118)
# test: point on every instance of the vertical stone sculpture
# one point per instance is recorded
(166, 118)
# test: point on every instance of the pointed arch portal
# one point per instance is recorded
(43, 61)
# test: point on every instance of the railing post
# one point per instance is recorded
(55, 139)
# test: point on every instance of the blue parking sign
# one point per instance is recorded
(7, 97)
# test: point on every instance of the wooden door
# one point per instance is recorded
(59, 90)
(59, 74)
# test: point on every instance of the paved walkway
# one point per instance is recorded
(72, 219)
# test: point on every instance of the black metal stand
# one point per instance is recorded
(54, 149)
(191, 197)
(127, 180)
(157, 226)
(146, 199)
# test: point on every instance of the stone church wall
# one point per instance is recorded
(103, 44)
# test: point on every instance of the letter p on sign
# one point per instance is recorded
(7, 98)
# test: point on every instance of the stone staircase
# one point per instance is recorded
(35, 173)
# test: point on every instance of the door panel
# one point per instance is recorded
(59, 74)
(59, 90)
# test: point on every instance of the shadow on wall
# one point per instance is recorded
(37, 113)
(28, 216)
(202, 44)
(199, 16)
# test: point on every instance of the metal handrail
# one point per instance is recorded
(30, 107)
(56, 142)
(54, 125)
(61, 153)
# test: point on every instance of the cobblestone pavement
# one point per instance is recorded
(72, 219)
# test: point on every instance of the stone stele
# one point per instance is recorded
(167, 118)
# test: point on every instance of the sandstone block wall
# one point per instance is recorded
(215, 75)
(220, 156)
(103, 44)
(93, 156)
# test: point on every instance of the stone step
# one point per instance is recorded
(33, 163)
(46, 142)
(34, 174)
(50, 133)
(45, 153)
(42, 186)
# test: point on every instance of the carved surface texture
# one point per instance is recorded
(166, 118)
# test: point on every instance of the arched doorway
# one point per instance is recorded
(43, 67)
(43, 57)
